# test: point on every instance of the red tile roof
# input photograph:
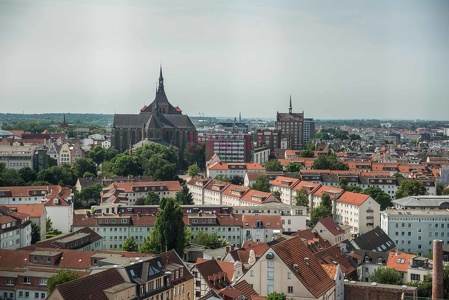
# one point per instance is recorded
(329, 190)
(287, 182)
(226, 166)
(353, 198)
(332, 226)
(33, 210)
(268, 221)
(304, 266)
(399, 261)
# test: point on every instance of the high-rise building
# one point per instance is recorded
(230, 147)
(295, 128)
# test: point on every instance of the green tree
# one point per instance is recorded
(152, 198)
(49, 228)
(440, 189)
(276, 296)
(28, 175)
(302, 198)
(193, 170)
(140, 201)
(62, 175)
(354, 136)
(386, 276)
(195, 154)
(380, 196)
(223, 178)
(184, 196)
(261, 184)
(273, 165)
(425, 287)
(292, 167)
(306, 153)
(35, 233)
(125, 165)
(168, 232)
(89, 196)
(445, 192)
(84, 165)
(329, 162)
(410, 188)
(10, 177)
(130, 245)
(210, 241)
(323, 210)
(277, 194)
(160, 168)
(62, 277)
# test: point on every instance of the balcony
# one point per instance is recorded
(370, 224)
(370, 217)
(370, 210)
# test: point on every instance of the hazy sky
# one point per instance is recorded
(338, 59)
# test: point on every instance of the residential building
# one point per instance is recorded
(230, 147)
(129, 192)
(15, 229)
(36, 212)
(292, 128)
(298, 274)
(285, 186)
(17, 157)
(374, 240)
(370, 261)
(414, 230)
(69, 154)
(359, 211)
(422, 202)
(261, 228)
(330, 230)
(56, 199)
(232, 170)
(261, 155)
(308, 130)
(269, 137)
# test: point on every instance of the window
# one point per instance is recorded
(43, 281)
(36, 295)
(42, 295)
(26, 280)
(290, 290)
(416, 277)
(27, 294)
(289, 275)
(251, 273)
(270, 263)
(10, 281)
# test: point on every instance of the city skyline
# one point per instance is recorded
(345, 60)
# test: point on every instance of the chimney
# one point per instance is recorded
(437, 272)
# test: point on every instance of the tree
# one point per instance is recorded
(210, 241)
(130, 245)
(386, 276)
(168, 232)
(195, 154)
(184, 196)
(261, 184)
(63, 175)
(323, 210)
(410, 188)
(152, 198)
(425, 287)
(306, 153)
(89, 196)
(302, 198)
(440, 189)
(276, 296)
(273, 165)
(193, 170)
(84, 165)
(125, 165)
(292, 167)
(62, 277)
(277, 194)
(35, 233)
(27, 174)
(329, 162)
(10, 177)
(160, 168)
(222, 178)
(49, 228)
(445, 191)
(380, 196)
(140, 201)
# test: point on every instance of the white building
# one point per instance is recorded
(285, 186)
(58, 202)
(359, 211)
(231, 170)
(17, 157)
(414, 230)
(15, 229)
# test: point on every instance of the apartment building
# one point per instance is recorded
(414, 230)
(17, 157)
(232, 170)
(15, 229)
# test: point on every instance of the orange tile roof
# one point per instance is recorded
(399, 261)
(329, 190)
(314, 278)
(128, 186)
(310, 187)
(227, 267)
(330, 269)
(353, 198)
(287, 182)
(268, 221)
(33, 210)
(233, 190)
(226, 166)
(257, 196)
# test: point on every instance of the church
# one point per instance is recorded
(159, 122)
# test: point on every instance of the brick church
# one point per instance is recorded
(160, 122)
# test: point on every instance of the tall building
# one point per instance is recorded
(159, 121)
(230, 147)
(295, 128)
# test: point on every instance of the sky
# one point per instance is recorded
(337, 59)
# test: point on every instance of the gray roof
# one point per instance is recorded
(423, 201)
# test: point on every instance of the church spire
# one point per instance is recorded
(290, 108)
(161, 79)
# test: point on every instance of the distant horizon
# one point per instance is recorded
(343, 59)
(232, 117)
